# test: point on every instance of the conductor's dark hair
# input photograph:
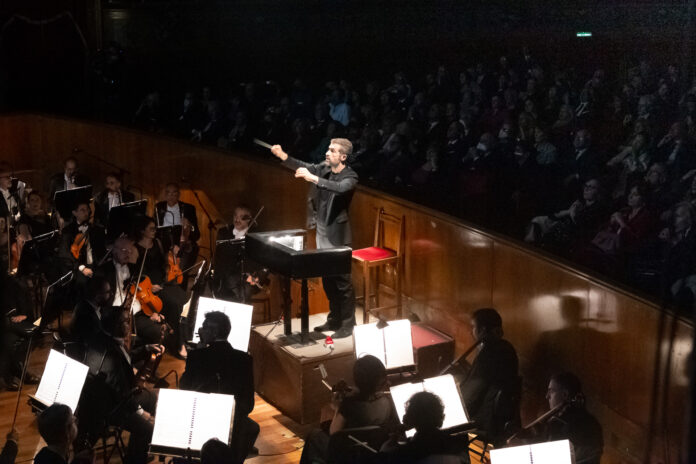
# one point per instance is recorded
(369, 374)
(488, 318)
(216, 452)
(424, 411)
(220, 323)
(53, 423)
(569, 382)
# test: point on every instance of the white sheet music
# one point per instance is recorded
(553, 452)
(398, 344)
(392, 345)
(187, 419)
(444, 387)
(62, 380)
(240, 318)
(368, 339)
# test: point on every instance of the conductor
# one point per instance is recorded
(334, 184)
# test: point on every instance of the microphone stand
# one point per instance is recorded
(102, 160)
(242, 267)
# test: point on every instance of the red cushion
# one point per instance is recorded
(372, 253)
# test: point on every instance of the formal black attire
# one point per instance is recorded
(188, 211)
(96, 238)
(173, 297)
(423, 445)
(9, 452)
(495, 369)
(48, 456)
(57, 183)
(328, 207)
(86, 321)
(357, 412)
(101, 205)
(109, 395)
(219, 368)
(583, 431)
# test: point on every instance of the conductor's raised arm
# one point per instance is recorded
(277, 150)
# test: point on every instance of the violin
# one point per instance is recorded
(148, 369)
(77, 244)
(174, 272)
(149, 302)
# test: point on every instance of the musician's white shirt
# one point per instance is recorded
(172, 217)
(122, 277)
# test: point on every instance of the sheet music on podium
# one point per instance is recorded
(444, 387)
(240, 318)
(62, 381)
(392, 345)
(185, 420)
(552, 452)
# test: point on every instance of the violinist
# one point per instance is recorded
(216, 367)
(111, 196)
(365, 405)
(118, 271)
(568, 420)
(172, 212)
(112, 395)
(82, 244)
(155, 268)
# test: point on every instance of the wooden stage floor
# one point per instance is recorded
(280, 440)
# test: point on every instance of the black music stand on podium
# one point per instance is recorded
(122, 217)
(284, 253)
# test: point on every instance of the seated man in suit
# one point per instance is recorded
(58, 428)
(69, 179)
(87, 315)
(495, 369)
(110, 394)
(173, 212)
(111, 196)
(219, 368)
(572, 421)
(9, 451)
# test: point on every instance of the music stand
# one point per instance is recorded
(61, 382)
(121, 217)
(169, 235)
(391, 344)
(30, 260)
(65, 200)
(185, 420)
(240, 319)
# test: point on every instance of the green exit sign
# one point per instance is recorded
(583, 34)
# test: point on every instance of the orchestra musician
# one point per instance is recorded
(567, 420)
(173, 212)
(111, 196)
(82, 244)
(111, 394)
(494, 371)
(58, 428)
(87, 315)
(334, 184)
(216, 367)
(172, 295)
(13, 196)
(33, 221)
(69, 179)
(233, 282)
(362, 406)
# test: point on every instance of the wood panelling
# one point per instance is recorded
(556, 316)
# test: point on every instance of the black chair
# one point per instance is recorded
(506, 417)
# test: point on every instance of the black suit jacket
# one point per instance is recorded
(85, 322)
(57, 183)
(97, 240)
(9, 452)
(101, 205)
(187, 210)
(335, 216)
(219, 368)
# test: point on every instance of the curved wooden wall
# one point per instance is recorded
(618, 343)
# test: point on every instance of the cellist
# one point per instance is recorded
(171, 294)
